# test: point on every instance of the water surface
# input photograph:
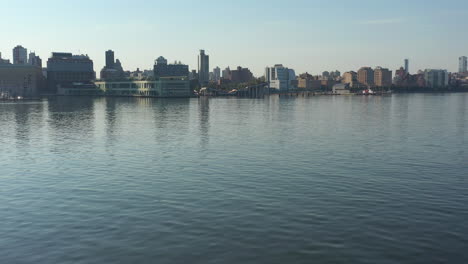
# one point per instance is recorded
(275, 180)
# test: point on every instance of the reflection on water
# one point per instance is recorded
(204, 117)
(326, 179)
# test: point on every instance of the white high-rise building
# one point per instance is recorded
(462, 64)
(280, 77)
(20, 55)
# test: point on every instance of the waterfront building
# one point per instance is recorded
(20, 80)
(407, 65)
(203, 68)
(20, 55)
(64, 69)
(400, 76)
(341, 89)
(351, 79)
(327, 84)
(365, 76)
(34, 60)
(436, 78)
(418, 80)
(292, 76)
(240, 75)
(404, 79)
(163, 69)
(382, 77)
(280, 77)
(162, 87)
(462, 64)
(3, 61)
(113, 69)
(309, 82)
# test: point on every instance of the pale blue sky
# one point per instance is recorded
(307, 35)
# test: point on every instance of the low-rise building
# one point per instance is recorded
(308, 82)
(162, 87)
(3, 61)
(341, 89)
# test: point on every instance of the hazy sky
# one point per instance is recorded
(307, 35)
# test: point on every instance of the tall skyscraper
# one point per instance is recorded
(110, 59)
(203, 68)
(462, 64)
(20, 55)
(267, 74)
(217, 73)
(406, 65)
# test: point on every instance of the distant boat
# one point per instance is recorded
(371, 92)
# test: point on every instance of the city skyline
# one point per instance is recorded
(316, 35)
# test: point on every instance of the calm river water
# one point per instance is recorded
(218, 180)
